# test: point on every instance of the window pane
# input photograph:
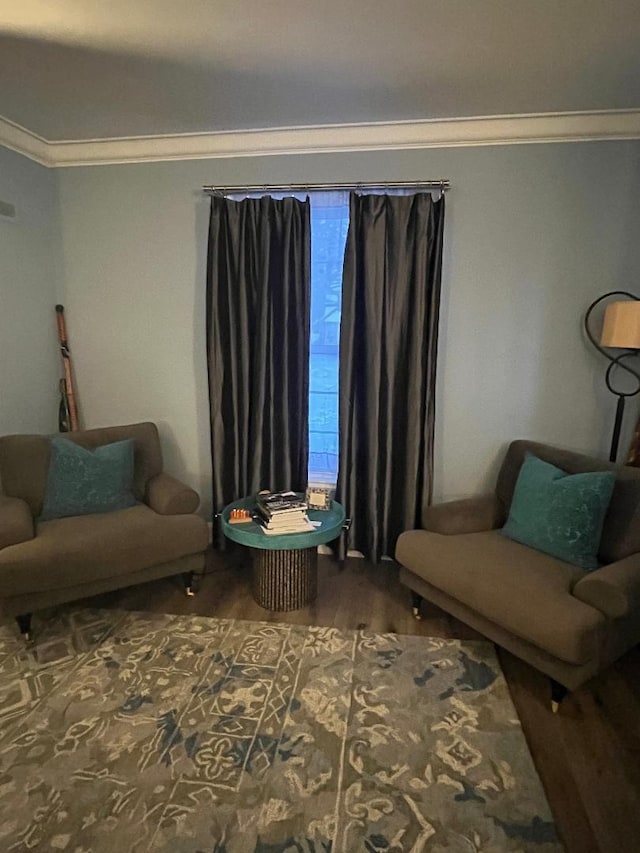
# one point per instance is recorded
(329, 223)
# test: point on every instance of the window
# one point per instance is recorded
(329, 224)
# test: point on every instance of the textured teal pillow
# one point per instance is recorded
(81, 482)
(559, 513)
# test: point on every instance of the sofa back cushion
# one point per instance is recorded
(24, 459)
(621, 529)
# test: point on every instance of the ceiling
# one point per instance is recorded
(81, 70)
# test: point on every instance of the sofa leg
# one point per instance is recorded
(558, 692)
(416, 601)
(24, 624)
(188, 579)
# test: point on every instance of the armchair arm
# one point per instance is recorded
(16, 522)
(614, 589)
(469, 515)
(169, 496)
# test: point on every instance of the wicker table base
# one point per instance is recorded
(285, 580)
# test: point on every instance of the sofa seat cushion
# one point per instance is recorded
(68, 551)
(524, 591)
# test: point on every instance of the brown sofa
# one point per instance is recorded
(47, 563)
(568, 623)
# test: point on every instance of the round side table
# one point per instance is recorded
(285, 567)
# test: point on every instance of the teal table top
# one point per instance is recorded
(249, 533)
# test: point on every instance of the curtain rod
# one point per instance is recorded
(442, 184)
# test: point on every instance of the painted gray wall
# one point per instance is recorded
(29, 256)
(534, 233)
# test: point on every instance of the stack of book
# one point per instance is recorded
(282, 512)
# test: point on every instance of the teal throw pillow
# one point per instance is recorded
(81, 481)
(558, 513)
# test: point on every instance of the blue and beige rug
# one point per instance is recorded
(145, 732)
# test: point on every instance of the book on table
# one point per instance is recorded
(288, 523)
(284, 520)
(282, 512)
(302, 526)
(271, 504)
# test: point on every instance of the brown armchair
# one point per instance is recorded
(51, 562)
(566, 622)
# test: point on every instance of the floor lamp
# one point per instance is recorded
(620, 330)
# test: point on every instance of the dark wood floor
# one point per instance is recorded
(588, 756)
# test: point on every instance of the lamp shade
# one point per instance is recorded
(621, 326)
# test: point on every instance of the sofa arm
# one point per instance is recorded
(16, 522)
(614, 589)
(169, 496)
(469, 515)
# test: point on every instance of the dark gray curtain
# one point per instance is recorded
(258, 310)
(388, 343)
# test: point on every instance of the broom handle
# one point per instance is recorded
(66, 362)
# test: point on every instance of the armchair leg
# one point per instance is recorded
(24, 624)
(416, 601)
(190, 583)
(558, 692)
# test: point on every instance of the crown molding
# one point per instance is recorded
(380, 136)
(25, 142)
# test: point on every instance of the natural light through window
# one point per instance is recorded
(329, 223)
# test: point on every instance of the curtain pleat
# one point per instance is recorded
(388, 346)
(258, 314)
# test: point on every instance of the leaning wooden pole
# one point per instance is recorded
(68, 393)
(633, 457)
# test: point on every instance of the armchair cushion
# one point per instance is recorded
(83, 482)
(558, 513)
(526, 592)
(16, 523)
(67, 551)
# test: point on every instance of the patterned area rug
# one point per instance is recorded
(147, 732)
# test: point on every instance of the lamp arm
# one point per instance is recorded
(615, 361)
